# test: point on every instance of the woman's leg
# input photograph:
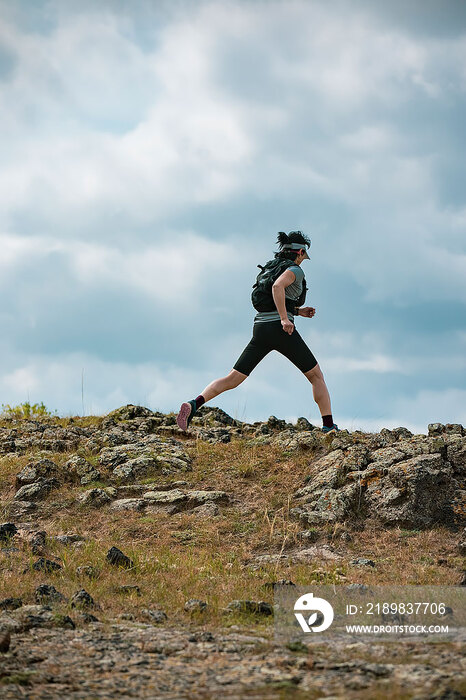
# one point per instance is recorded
(252, 354)
(295, 349)
(218, 386)
(319, 390)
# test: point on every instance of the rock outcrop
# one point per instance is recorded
(413, 481)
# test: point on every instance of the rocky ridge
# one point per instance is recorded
(393, 476)
(136, 460)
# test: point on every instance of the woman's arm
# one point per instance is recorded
(278, 293)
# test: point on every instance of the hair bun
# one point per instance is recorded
(282, 238)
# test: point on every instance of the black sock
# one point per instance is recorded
(327, 421)
(199, 401)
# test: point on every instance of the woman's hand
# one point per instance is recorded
(307, 311)
(287, 326)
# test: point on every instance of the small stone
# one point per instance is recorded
(7, 530)
(195, 606)
(206, 510)
(280, 582)
(20, 509)
(346, 537)
(46, 593)
(46, 565)
(91, 476)
(5, 639)
(116, 557)
(68, 539)
(456, 428)
(86, 617)
(82, 599)
(37, 541)
(303, 424)
(435, 429)
(89, 571)
(463, 579)
(361, 587)
(309, 535)
(156, 616)
(10, 603)
(250, 606)
(95, 497)
(126, 616)
(128, 589)
(361, 561)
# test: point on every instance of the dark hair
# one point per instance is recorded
(292, 237)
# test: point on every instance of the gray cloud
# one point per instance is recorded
(152, 151)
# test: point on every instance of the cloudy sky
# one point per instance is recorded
(152, 150)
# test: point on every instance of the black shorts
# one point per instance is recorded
(269, 335)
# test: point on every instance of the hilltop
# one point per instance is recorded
(125, 536)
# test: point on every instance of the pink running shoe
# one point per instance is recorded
(186, 414)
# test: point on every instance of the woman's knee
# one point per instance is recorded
(314, 374)
(234, 378)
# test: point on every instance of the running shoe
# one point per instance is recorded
(186, 414)
(333, 429)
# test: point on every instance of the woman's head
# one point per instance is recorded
(285, 240)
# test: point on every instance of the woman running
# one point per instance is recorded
(275, 330)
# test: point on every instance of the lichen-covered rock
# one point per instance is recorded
(206, 510)
(116, 558)
(46, 593)
(386, 456)
(196, 498)
(195, 606)
(331, 505)
(29, 616)
(82, 470)
(137, 468)
(213, 435)
(20, 509)
(82, 599)
(356, 458)
(155, 616)
(129, 504)
(302, 440)
(34, 471)
(173, 501)
(71, 538)
(405, 483)
(148, 456)
(36, 491)
(456, 453)
(327, 472)
(417, 492)
(46, 565)
(211, 416)
(166, 497)
(303, 424)
(253, 607)
(97, 497)
(129, 412)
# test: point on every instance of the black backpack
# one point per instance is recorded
(261, 295)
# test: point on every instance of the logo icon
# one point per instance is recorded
(308, 604)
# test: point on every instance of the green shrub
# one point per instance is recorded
(26, 410)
